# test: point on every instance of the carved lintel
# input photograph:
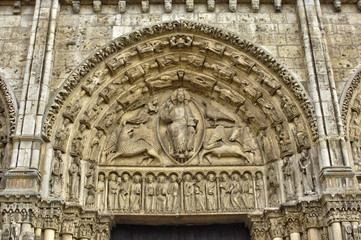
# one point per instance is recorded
(122, 6)
(232, 5)
(278, 5)
(145, 6)
(97, 6)
(17, 8)
(211, 4)
(189, 5)
(337, 5)
(76, 6)
(255, 6)
(168, 6)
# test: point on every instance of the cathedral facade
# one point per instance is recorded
(180, 113)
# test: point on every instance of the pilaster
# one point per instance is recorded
(334, 161)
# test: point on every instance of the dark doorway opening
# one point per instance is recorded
(194, 232)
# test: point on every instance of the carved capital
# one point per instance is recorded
(259, 230)
(294, 223)
(277, 227)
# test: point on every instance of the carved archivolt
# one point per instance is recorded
(9, 104)
(8, 112)
(349, 97)
(180, 96)
(351, 110)
(112, 53)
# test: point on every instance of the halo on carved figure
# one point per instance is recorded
(180, 127)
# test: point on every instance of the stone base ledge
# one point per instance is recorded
(22, 181)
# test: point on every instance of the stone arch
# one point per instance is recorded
(350, 112)
(8, 113)
(232, 93)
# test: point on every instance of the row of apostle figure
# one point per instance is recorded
(190, 193)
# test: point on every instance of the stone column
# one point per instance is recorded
(49, 234)
(67, 236)
(336, 230)
(38, 232)
(295, 236)
(313, 234)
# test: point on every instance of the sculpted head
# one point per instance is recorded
(224, 177)
(125, 177)
(173, 178)
(101, 177)
(161, 179)
(150, 178)
(211, 177)
(259, 176)
(187, 177)
(180, 96)
(246, 176)
(235, 177)
(113, 176)
(136, 179)
(199, 177)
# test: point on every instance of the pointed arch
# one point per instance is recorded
(349, 100)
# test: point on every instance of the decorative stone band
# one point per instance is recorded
(194, 191)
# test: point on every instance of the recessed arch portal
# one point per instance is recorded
(178, 108)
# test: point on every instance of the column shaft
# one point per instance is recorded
(295, 236)
(67, 236)
(313, 234)
(336, 230)
(49, 234)
(38, 233)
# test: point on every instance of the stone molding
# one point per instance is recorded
(10, 104)
(347, 100)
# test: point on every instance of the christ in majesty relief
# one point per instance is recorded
(181, 125)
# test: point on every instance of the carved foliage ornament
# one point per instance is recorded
(9, 104)
(351, 102)
(124, 42)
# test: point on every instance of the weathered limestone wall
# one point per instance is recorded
(343, 33)
(80, 34)
(14, 41)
